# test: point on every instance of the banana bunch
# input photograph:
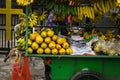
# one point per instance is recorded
(118, 3)
(85, 11)
(24, 2)
(80, 13)
(21, 43)
(109, 35)
(32, 20)
(86, 35)
(43, 16)
(102, 7)
(113, 4)
(97, 46)
(20, 31)
(102, 37)
(22, 20)
(105, 47)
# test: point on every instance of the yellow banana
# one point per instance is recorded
(110, 4)
(99, 8)
(92, 13)
(102, 6)
(95, 7)
(107, 6)
(114, 4)
(84, 11)
(31, 1)
(81, 13)
(86, 35)
(118, 1)
(23, 22)
(88, 11)
(43, 16)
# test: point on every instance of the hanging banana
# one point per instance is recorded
(24, 2)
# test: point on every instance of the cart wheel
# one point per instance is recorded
(87, 75)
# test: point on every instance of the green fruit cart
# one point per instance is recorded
(65, 67)
(74, 67)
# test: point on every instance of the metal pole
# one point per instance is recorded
(26, 49)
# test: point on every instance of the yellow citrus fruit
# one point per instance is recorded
(50, 33)
(39, 39)
(34, 46)
(47, 50)
(53, 42)
(54, 51)
(29, 42)
(55, 37)
(58, 46)
(59, 40)
(32, 36)
(36, 33)
(30, 50)
(43, 45)
(43, 34)
(68, 51)
(65, 45)
(40, 51)
(52, 45)
(62, 51)
(47, 40)
(64, 39)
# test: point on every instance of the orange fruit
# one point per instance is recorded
(47, 51)
(43, 34)
(32, 36)
(50, 33)
(58, 46)
(39, 39)
(55, 37)
(51, 45)
(68, 51)
(54, 51)
(40, 51)
(34, 46)
(47, 40)
(43, 45)
(62, 51)
(29, 42)
(65, 45)
(59, 40)
(30, 50)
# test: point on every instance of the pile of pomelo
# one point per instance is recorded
(46, 42)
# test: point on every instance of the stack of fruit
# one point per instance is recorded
(48, 43)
